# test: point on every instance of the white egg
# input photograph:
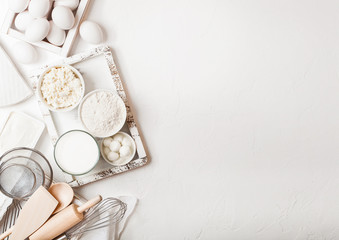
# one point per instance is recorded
(25, 52)
(91, 32)
(113, 156)
(22, 20)
(115, 146)
(107, 141)
(37, 30)
(125, 151)
(106, 151)
(72, 4)
(126, 142)
(39, 8)
(56, 35)
(18, 5)
(118, 137)
(63, 17)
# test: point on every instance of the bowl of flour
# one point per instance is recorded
(102, 113)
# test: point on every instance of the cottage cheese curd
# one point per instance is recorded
(61, 88)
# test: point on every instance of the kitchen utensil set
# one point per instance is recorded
(26, 174)
(22, 171)
(72, 221)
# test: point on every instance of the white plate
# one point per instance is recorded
(14, 88)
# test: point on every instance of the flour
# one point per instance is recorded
(103, 113)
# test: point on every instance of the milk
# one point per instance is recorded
(76, 152)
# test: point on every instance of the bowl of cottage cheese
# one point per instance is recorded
(61, 88)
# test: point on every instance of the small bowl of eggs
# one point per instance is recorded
(118, 149)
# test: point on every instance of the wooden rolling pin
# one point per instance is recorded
(7, 233)
(64, 220)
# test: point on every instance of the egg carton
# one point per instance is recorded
(9, 29)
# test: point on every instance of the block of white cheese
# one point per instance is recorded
(20, 130)
(14, 88)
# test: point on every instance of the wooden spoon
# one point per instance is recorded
(63, 193)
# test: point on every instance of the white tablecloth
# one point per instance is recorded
(237, 101)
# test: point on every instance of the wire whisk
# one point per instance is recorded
(106, 213)
(11, 215)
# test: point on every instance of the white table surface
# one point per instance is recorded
(238, 103)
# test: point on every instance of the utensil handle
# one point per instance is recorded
(7, 233)
(89, 204)
(61, 237)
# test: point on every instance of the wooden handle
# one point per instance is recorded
(7, 233)
(89, 204)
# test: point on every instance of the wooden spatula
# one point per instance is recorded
(35, 212)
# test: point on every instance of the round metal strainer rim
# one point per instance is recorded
(17, 164)
(50, 175)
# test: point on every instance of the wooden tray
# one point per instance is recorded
(9, 29)
(55, 122)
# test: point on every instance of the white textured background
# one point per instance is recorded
(238, 102)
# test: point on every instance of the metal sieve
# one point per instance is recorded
(22, 171)
(20, 177)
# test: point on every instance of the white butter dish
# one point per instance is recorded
(20, 130)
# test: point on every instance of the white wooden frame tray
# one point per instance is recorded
(55, 124)
(9, 29)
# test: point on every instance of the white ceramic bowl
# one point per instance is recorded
(76, 72)
(108, 134)
(121, 161)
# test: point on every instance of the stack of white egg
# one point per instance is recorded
(116, 147)
(34, 19)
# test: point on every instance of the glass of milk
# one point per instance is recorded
(76, 152)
